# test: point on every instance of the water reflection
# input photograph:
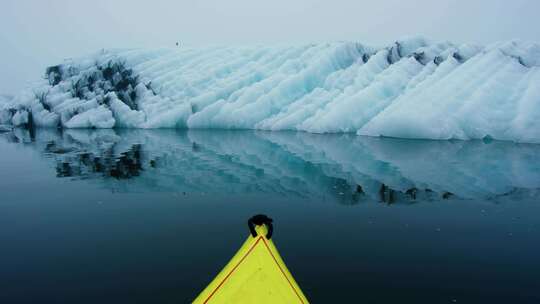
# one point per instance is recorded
(86, 164)
(344, 168)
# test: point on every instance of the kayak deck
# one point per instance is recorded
(256, 274)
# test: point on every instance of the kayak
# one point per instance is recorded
(256, 273)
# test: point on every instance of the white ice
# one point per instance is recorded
(413, 88)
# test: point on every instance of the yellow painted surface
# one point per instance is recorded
(256, 274)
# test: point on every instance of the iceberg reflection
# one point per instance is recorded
(341, 167)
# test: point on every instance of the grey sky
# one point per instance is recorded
(37, 33)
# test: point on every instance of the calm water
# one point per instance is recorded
(152, 216)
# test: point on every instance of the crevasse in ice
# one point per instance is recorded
(413, 88)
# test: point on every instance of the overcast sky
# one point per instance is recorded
(38, 33)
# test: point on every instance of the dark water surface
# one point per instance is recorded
(120, 216)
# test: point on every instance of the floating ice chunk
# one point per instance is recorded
(99, 117)
(20, 118)
(125, 116)
(413, 88)
(45, 118)
(173, 117)
(526, 53)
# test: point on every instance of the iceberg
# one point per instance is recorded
(413, 88)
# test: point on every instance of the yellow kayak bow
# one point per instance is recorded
(256, 273)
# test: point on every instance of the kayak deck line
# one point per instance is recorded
(252, 277)
(243, 258)
(281, 269)
(228, 275)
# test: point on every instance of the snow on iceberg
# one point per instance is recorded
(413, 88)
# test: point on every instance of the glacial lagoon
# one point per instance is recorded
(151, 216)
